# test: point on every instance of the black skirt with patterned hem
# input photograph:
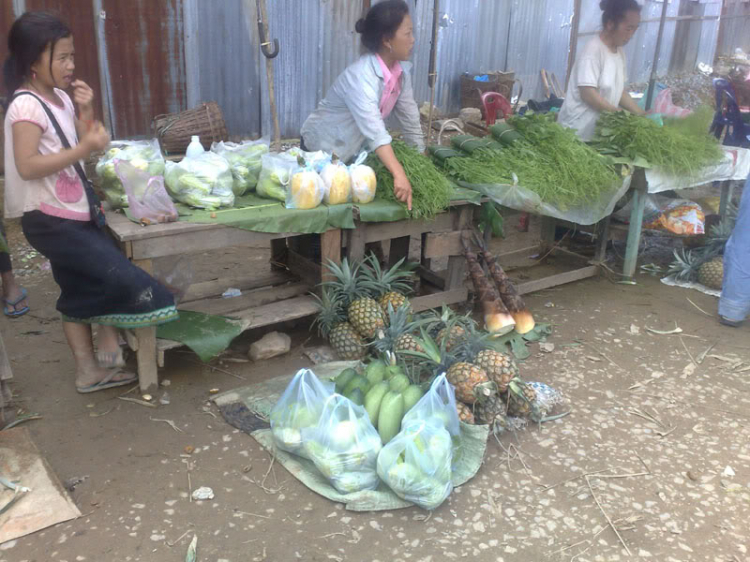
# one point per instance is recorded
(98, 284)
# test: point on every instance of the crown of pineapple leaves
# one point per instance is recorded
(330, 311)
(399, 322)
(347, 284)
(378, 280)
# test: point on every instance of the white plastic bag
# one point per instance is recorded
(204, 181)
(345, 446)
(144, 155)
(148, 200)
(298, 410)
(416, 464)
(337, 182)
(245, 161)
(437, 407)
(305, 189)
(275, 174)
(364, 182)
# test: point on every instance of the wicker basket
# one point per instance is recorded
(175, 129)
(472, 90)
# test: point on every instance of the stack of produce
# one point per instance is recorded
(143, 155)
(292, 178)
(539, 155)
(204, 181)
(680, 147)
(354, 305)
(431, 190)
(245, 162)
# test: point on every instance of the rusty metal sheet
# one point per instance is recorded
(79, 17)
(146, 60)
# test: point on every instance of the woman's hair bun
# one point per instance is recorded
(604, 5)
(359, 27)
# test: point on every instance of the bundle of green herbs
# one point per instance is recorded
(549, 160)
(682, 147)
(431, 190)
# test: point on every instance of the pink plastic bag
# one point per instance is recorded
(148, 200)
(663, 105)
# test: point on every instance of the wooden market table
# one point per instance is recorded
(283, 294)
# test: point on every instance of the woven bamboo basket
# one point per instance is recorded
(472, 90)
(175, 129)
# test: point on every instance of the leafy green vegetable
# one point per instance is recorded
(431, 190)
(244, 160)
(680, 148)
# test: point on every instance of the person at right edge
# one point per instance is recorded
(734, 304)
(598, 79)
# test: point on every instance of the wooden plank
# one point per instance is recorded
(330, 251)
(442, 244)
(454, 279)
(436, 300)
(169, 245)
(356, 240)
(389, 230)
(216, 287)
(436, 278)
(251, 300)
(559, 279)
(308, 270)
(148, 375)
(131, 339)
(282, 311)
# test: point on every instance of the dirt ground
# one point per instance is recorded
(657, 443)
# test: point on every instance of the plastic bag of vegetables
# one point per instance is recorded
(149, 201)
(416, 464)
(364, 182)
(345, 446)
(275, 174)
(244, 160)
(437, 406)
(204, 181)
(144, 155)
(305, 189)
(298, 410)
(337, 182)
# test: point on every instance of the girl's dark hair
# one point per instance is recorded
(381, 22)
(614, 10)
(29, 36)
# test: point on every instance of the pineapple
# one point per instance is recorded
(711, 273)
(469, 381)
(332, 325)
(480, 349)
(389, 286)
(521, 400)
(398, 333)
(464, 413)
(407, 342)
(492, 410)
(364, 312)
(452, 336)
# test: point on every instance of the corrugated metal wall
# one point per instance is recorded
(149, 57)
(735, 29)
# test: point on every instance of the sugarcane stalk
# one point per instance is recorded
(507, 291)
(497, 320)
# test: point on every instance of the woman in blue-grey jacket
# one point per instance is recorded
(734, 305)
(352, 116)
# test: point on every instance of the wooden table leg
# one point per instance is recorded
(355, 244)
(640, 188)
(148, 376)
(547, 234)
(727, 189)
(602, 233)
(457, 264)
(330, 250)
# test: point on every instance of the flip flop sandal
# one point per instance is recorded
(107, 382)
(111, 359)
(10, 306)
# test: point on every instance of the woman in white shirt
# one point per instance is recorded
(352, 116)
(597, 82)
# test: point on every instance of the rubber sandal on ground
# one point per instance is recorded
(107, 382)
(730, 323)
(10, 306)
(110, 359)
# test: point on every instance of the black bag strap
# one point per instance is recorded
(95, 205)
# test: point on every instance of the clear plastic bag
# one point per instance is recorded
(149, 201)
(364, 182)
(144, 155)
(275, 174)
(175, 273)
(244, 160)
(305, 189)
(337, 183)
(204, 181)
(416, 464)
(345, 446)
(298, 410)
(437, 406)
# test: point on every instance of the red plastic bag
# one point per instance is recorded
(148, 199)
(664, 106)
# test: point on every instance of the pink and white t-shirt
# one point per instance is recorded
(61, 194)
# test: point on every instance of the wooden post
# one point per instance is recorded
(457, 264)
(640, 190)
(148, 376)
(573, 48)
(330, 250)
(547, 234)
(602, 232)
(727, 187)
(355, 244)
